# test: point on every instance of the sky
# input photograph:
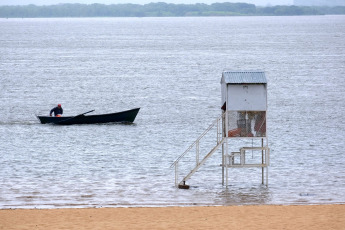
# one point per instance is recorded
(52, 2)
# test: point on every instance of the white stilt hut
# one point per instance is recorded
(244, 103)
(241, 129)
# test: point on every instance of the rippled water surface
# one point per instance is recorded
(171, 68)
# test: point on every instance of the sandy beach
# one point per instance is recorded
(222, 217)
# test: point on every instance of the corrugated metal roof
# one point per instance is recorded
(244, 77)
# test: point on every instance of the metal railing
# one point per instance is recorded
(219, 140)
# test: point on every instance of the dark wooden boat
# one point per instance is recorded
(124, 116)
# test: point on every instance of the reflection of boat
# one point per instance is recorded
(124, 116)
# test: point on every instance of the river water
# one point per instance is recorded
(170, 68)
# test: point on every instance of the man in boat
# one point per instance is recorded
(58, 111)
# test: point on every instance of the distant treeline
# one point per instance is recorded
(161, 10)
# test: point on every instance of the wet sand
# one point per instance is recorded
(220, 217)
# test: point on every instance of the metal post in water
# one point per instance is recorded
(262, 158)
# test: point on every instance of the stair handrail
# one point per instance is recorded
(198, 139)
(201, 163)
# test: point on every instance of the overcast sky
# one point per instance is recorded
(51, 2)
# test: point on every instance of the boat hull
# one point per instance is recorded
(124, 116)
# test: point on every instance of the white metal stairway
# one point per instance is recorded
(228, 158)
(219, 141)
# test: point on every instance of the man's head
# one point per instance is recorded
(59, 105)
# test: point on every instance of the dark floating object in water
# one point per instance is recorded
(127, 116)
